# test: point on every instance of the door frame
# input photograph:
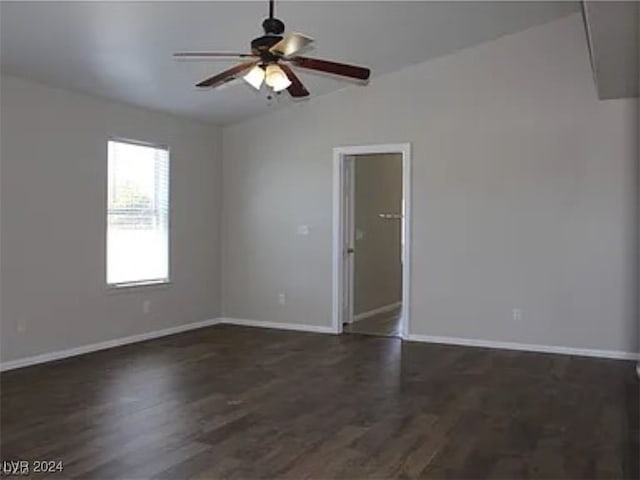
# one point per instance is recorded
(340, 177)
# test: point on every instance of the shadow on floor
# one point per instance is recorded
(386, 324)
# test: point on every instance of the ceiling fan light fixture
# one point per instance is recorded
(255, 77)
(276, 78)
(262, 65)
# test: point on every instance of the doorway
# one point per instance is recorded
(371, 239)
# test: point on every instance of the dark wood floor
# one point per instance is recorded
(234, 402)
(386, 324)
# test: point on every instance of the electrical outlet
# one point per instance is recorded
(282, 299)
(22, 325)
(517, 314)
(303, 230)
(146, 306)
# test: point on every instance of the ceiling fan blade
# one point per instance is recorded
(200, 55)
(227, 75)
(296, 89)
(351, 71)
(292, 43)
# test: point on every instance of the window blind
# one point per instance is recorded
(137, 214)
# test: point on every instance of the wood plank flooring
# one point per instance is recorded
(386, 324)
(237, 402)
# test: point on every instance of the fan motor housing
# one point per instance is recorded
(261, 45)
(273, 26)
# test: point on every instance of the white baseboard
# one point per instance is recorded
(376, 311)
(299, 327)
(581, 352)
(94, 347)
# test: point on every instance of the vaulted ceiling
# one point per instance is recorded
(613, 29)
(122, 50)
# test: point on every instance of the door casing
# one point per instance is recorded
(343, 230)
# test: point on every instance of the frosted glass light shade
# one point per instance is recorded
(255, 77)
(276, 78)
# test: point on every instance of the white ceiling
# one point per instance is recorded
(122, 50)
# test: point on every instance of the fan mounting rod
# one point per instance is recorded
(272, 25)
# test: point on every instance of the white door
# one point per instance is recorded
(349, 238)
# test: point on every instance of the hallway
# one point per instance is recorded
(386, 324)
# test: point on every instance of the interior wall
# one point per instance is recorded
(523, 188)
(378, 247)
(638, 202)
(53, 226)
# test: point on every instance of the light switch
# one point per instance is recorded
(303, 230)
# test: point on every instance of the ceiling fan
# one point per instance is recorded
(271, 59)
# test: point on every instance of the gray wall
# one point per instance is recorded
(53, 197)
(612, 29)
(523, 195)
(638, 197)
(378, 247)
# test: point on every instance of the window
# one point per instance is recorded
(137, 214)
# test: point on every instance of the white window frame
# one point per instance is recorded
(160, 282)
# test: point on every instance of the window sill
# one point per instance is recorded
(131, 287)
